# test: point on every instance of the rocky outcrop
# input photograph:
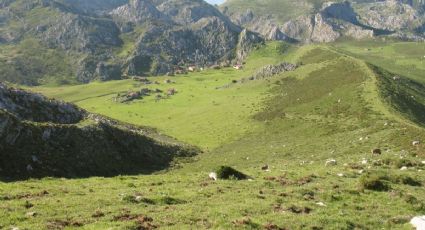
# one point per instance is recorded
(138, 11)
(247, 41)
(41, 137)
(323, 31)
(358, 20)
(34, 107)
(272, 70)
(81, 33)
(389, 15)
(356, 32)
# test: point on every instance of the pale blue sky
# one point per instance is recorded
(215, 1)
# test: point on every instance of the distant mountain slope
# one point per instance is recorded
(324, 21)
(41, 137)
(111, 39)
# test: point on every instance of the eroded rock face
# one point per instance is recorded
(356, 32)
(80, 33)
(140, 37)
(338, 19)
(323, 31)
(138, 11)
(388, 15)
(247, 42)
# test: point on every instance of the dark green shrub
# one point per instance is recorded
(403, 163)
(171, 201)
(374, 182)
(406, 180)
(228, 173)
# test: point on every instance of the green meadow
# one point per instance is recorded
(340, 103)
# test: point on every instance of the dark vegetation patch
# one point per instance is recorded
(62, 224)
(270, 226)
(141, 222)
(229, 173)
(381, 181)
(292, 92)
(167, 200)
(245, 222)
(34, 65)
(24, 196)
(299, 210)
(402, 94)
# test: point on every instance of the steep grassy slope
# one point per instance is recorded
(41, 138)
(330, 107)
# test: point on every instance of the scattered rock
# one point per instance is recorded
(34, 158)
(403, 168)
(321, 204)
(272, 70)
(29, 168)
(418, 222)
(31, 214)
(331, 162)
(212, 176)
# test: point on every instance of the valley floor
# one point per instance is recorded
(336, 105)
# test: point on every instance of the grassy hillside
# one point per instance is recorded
(334, 106)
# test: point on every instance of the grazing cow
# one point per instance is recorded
(265, 167)
(416, 143)
(376, 151)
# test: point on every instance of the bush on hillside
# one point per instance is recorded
(380, 181)
(228, 173)
(374, 182)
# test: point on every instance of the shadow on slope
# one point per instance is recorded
(90, 146)
(404, 95)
